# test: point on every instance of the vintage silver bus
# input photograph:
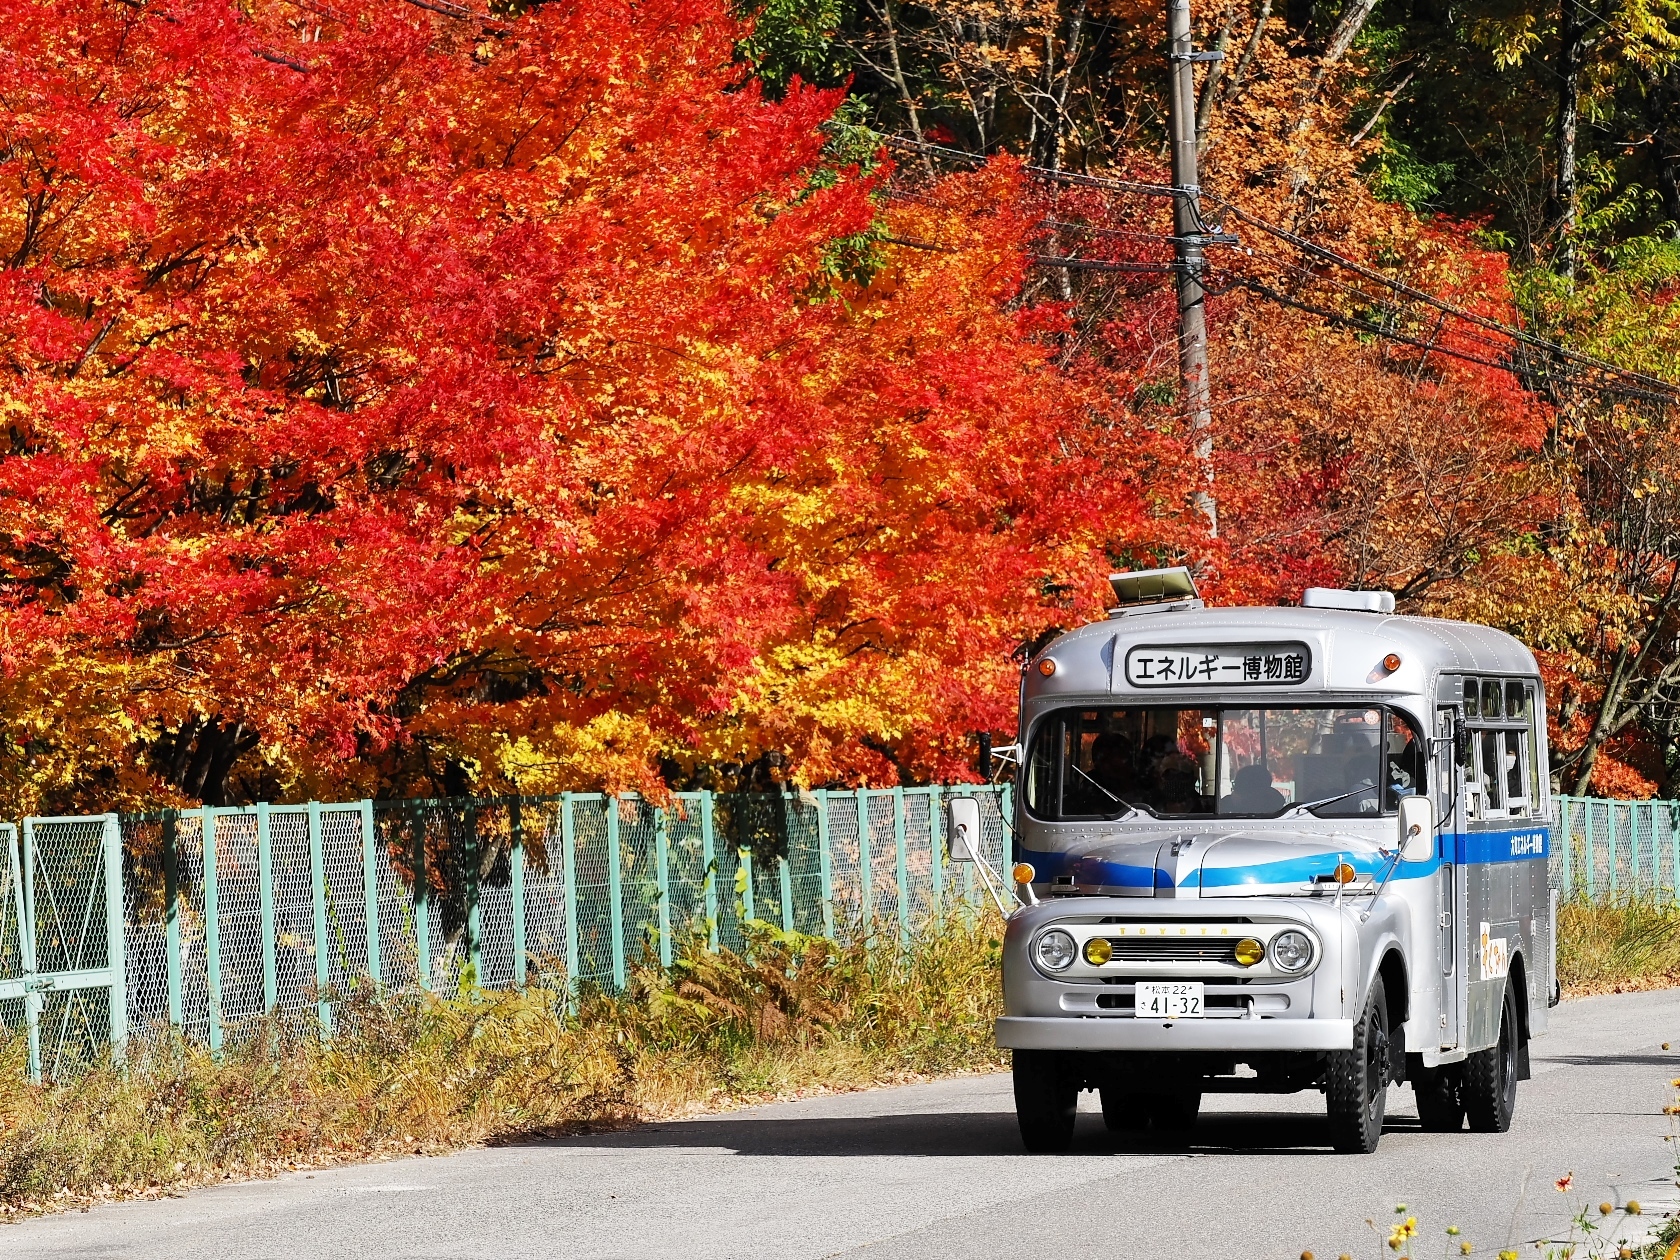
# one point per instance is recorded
(1275, 849)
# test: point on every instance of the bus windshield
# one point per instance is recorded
(1340, 762)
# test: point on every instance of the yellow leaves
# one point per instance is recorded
(1509, 37)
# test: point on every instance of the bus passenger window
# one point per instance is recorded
(1516, 793)
(1535, 795)
(1516, 700)
(1488, 774)
(1472, 698)
(1491, 694)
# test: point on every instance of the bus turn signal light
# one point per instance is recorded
(1098, 951)
(1391, 662)
(1249, 951)
(1345, 874)
(1023, 873)
(1047, 667)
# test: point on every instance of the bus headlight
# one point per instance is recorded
(1054, 950)
(1291, 951)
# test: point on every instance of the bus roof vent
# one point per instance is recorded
(1153, 590)
(1353, 601)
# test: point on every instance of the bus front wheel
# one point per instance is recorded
(1046, 1101)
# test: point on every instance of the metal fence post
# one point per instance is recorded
(1006, 817)
(936, 848)
(786, 873)
(901, 865)
(825, 863)
(318, 889)
(568, 875)
(26, 944)
(1674, 850)
(744, 867)
(422, 893)
(172, 916)
(116, 952)
(866, 873)
(370, 893)
(212, 932)
(708, 863)
(265, 899)
(615, 893)
(662, 870)
(516, 879)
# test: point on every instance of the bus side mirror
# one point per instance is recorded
(963, 833)
(1417, 829)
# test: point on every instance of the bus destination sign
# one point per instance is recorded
(1221, 665)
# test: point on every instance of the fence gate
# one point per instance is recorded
(61, 940)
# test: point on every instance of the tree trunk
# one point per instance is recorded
(885, 13)
(1662, 105)
(1566, 199)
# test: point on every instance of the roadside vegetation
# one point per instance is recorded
(410, 1073)
(1618, 945)
(420, 1074)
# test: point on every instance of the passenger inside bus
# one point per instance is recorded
(1252, 793)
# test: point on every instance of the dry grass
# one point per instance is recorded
(422, 1074)
(1618, 945)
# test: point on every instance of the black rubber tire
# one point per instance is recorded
(1440, 1103)
(1046, 1101)
(1490, 1076)
(1123, 1112)
(1356, 1080)
(1175, 1113)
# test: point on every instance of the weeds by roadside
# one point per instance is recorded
(410, 1073)
(1618, 945)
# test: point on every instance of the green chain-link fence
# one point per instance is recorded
(224, 915)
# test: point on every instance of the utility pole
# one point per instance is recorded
(1189, 238)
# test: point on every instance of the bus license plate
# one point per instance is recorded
(1179, 1000)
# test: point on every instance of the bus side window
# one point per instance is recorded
(1472, 698)
(1486, 801)
(1535, 796)
(1516, 781)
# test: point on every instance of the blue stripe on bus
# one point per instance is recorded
(1466, 848)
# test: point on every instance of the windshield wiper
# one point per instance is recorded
(1127, 805)
(1304, 806)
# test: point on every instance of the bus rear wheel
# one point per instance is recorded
(1440, 1103)
(1490, 1076)
(1046, 1101)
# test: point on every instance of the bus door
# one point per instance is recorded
(1449, 808)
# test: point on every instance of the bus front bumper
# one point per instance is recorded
(1027, 1032)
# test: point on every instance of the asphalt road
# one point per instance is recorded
(936, 1170)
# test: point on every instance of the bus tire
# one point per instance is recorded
(1175, 1113)
(1123, 1112)
(1046, 1101)
(1440, 1103)
(1356, 1080)
(1490, 1076)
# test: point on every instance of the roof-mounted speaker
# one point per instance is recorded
(1352, 601)
(1153, 590)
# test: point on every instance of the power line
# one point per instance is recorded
(1638, 384)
